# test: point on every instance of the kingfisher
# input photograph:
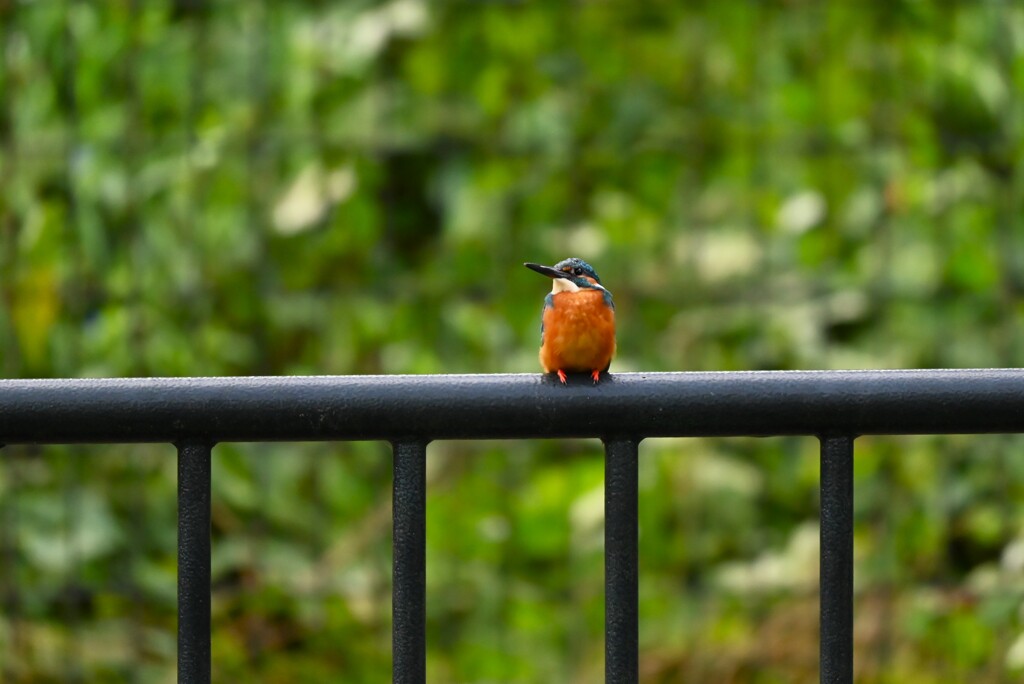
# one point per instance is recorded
(577, 330)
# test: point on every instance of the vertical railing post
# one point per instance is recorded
(194, 562)
(836, 578)
(621, 513)
(409, 564)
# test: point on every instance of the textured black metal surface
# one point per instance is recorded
(193, 563)
(409, 410)
(511, 406)
(409, 567)
(836, 560)
(621, 617)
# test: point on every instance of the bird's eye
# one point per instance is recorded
(578, 271)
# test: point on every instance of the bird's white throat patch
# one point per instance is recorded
(563, 285)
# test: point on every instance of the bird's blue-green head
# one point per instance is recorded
(570, 274)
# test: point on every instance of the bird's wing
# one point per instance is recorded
(549, 303)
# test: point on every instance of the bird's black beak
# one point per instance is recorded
(546, 270)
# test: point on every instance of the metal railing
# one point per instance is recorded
(409, 411)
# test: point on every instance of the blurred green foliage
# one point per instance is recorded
(194, 187)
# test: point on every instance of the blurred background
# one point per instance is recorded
(217, 187)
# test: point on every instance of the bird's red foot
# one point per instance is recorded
(596, 375)
(561, 375)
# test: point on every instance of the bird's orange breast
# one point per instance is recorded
(579, 333)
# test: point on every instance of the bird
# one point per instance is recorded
(577, 330)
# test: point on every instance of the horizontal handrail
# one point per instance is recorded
(393, 407)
